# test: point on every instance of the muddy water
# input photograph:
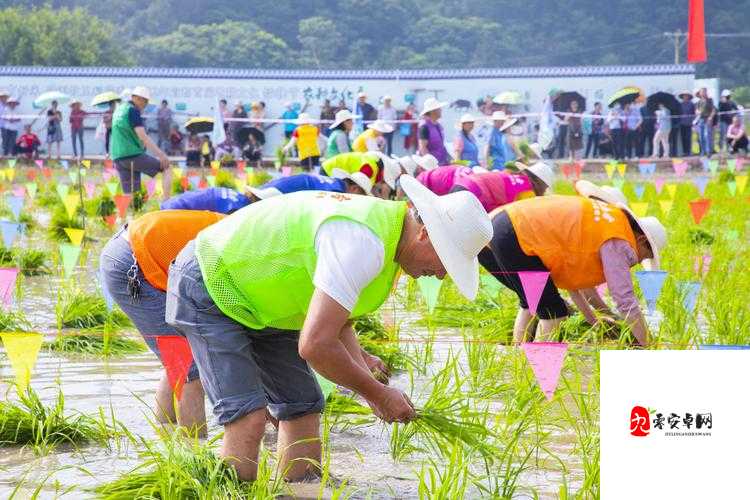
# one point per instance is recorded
(126, 386)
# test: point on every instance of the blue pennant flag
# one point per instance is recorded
(651, 283)
(11, 231)
(639, 189)
(16, 204)
(194, 181)
(689, 291)
(647, 168)
(64, 163)
(701, 182)
(722, 347)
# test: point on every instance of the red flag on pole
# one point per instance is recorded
(696, 40)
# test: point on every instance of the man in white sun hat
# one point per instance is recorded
(500, 187)
(267, 295)
(339, 182)
(372, 138)
(130, 141)
(582, 241)
(338, 139)
(431, 134)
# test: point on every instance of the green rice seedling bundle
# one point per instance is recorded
(344, 411)
(31, 261)
(379, 341)
(13, 321)
(83, 310)
(60, 220)
(96, 344)
(30, 422)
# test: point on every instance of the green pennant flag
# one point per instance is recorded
(490, 284)
(713, 166)
(11, 162)
(62, 191)
(31, 189)
(732, 185)
(732, 235)
(73, 176)
(430, 288)
(326, 386)
(112, 187)
(618, 182)
(211, 179)
(69, 254)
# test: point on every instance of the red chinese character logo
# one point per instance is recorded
(640, 421)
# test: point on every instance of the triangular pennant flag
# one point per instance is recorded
(566, 169)
(62, 191)
(75, 235)
(618, 182)
(2, 175)
(702, 264)
(211, 180)
(47, 173)
(110, 220)
(108, 174)
(429, 286)
(647, 168)
(112, 187)
(741, 181)
(10, 173)
(639, 208)
(31, 175)
(533, 283)
(622, 168)
(12, 162)
(86, 163)
(490, 284)
(699, 208)
(215, 164)
(671, 190)
(90, 189)
(65, 164)
(286, 171)
(732, 235)
(22, 350)
(108, 164)
(610, 169)
(194, 181)
(738, 164)
(241, 184)
(731, 165)
(158, 188)
(31, 188)
(240, 166)
(203, 184)
(680, 167)
(177, 358)
(8, 277)
(732, 186)
(150, 187)
(666, 206)
(713, 166)
(326, 386)
(659, 184)
(10, 231)
(184, 183)
(689, 291)
(122, 201)
(651, 283)
(546, 360)
(73, 176)
(15, 203)
(177, 172)
(19, 191)
(639, 190)
(578, 168)
(39, 163)
(71, 203)
(69, 255)
(701, 182)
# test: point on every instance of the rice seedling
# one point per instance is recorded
(79, 309)
(13, 321)
(225, 178)
(379, 341)
(29, 422)
(60, 220)
(451, 480)
(345, 412)
(31, 261)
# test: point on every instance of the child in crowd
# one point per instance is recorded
(193, 151)
(207, 151)
(28, 144)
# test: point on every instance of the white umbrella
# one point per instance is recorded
(46, 98)
(509, 97)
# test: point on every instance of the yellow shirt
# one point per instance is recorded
(360, 143)
(307, 141)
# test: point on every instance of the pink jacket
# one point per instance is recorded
(497, 188)
(442, 179)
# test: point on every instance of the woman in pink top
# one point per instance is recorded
(500, 187)
(442, 179)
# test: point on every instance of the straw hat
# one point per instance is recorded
(540, 170)
(358, 178)
(685, 92)
(499, 116)
(4, 93)
(264, 193)
(303, 119)
(341, 116)
(607, 194)
(75, 101)
(13, 100)
(431, 104)
(402, 164)
(655, 232)
(141, 91)
(536, 148)
(467, 118)
(458, 228)
(381, 126)
(427, 162)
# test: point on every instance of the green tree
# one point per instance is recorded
(57, 37)
(319, 40)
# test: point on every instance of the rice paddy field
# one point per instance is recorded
(85, 428)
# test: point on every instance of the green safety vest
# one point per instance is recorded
(124, 141)
(332, 147)
(258, 264)
(352, 162)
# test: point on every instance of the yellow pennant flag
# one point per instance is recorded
(622, 168)
(666, 206)
(215, 165)
(22, 350)
(610, 168)
(10, 173)
(672, 190)
(177, 172)
(75, 235)
(71, 204)
(86, 163)
(2, 174)
(639, 208)
(741, 181)
(241, 184)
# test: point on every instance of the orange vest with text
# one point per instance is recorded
(157, 237)
(566, 233)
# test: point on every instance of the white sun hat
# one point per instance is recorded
(264, 193)
(303, 119)
(467, 118)
(381, 126)
(341, 116)
(358, 178)
(536, 148)
(13, 100)
(427, 162)
(726, 93)
(125, 94)
(141, 91)
(393, 170)
(608, 194)
(387, 98)
(541, 171)
(655, 232)
(499, 116)
(431, 104)
(458, 227)
(361, 94)
(4, 93)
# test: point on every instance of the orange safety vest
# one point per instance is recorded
(566, 233)
(157, 237)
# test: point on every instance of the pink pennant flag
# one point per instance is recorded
(702, 264)
(659, 184)
(739, 163)
(90, 189)
(680, 167)
(533, 283)
(151, 187)
(8, 277)
(177, 358)
(107, 174)
(19, 191)
(39, 163)
(546, 360)
(286, 171)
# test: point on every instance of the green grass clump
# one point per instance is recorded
(99, 344)
(30, 422)
(31, 262)
(13, 321)
(60, 220)
(178, 469)
(225, 179)
(83, 310)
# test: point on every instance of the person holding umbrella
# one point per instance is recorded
(130, 142)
